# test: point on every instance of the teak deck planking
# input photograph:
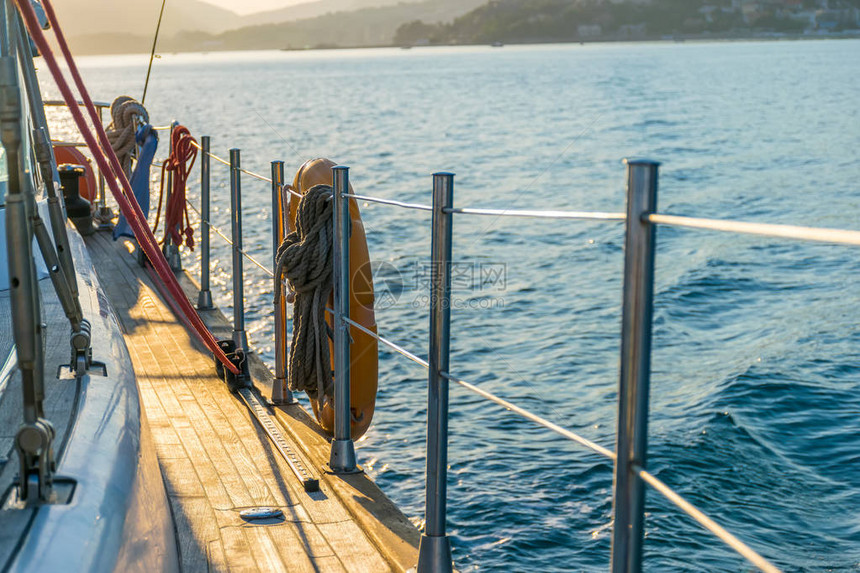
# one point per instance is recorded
(216, 461)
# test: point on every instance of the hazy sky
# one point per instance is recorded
(249, 6)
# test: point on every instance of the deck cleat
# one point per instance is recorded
(238, 358)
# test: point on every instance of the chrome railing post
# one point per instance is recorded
(632, 434)
(434, 551)
(239, 336)
(342, 458)
(204, 298)
(280, 393)
(103, 214)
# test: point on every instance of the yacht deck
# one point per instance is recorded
(216, 460)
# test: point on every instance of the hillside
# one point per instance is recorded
(191, 25)
(87, 17)
(314, 9)
(526, 21)
(366, 27)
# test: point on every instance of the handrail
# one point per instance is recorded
(255, 175)
(394, 346)
(551, 214)
(245, 171)
(62, 103)
(533, 417)
(391, 202)
(229, 241)
(705, 521)
(818, 234)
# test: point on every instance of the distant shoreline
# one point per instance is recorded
(681, 38)
(678, 39)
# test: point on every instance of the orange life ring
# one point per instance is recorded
(65, 154)
(364, 350)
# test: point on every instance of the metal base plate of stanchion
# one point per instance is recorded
(204, 300)
(281, 395)
(434, 555)
(342, 460)
(104, 216)
(174, 259)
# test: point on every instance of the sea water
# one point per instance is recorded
(755, 396)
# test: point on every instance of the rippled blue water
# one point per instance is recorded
(756, 386)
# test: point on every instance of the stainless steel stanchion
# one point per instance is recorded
(342, 458)
(103, 213)
(239, 336)
(280, 213)
(632, 436)
(434, 551)
(204, 299)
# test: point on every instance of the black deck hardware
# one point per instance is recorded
(237, 357)
(309, 481)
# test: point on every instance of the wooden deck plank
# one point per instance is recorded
(237, 550)
(215, 460)
(195, 524)
(346, 538)
(227, 452)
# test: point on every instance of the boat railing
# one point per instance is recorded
(629, 455)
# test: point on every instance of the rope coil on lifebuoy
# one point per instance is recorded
(305, 257)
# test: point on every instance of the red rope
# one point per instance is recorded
(183, 152)
(109, 165)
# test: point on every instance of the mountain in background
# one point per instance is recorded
(365, 27)
(313, 9)
(139, 17)
(537, 21)
(91, 17)
(192, 25)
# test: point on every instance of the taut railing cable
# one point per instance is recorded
(817, 234)
(218, 231)
(531, 213)
(255, 175)
(392, 345)
(62, 103)
(392, 202)
(739, 546)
